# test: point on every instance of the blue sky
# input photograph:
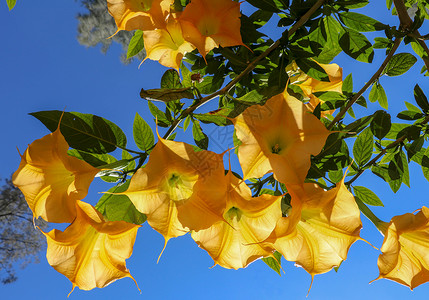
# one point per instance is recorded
(43, 67)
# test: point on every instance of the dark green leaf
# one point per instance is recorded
(136, 44)
(360, 22)
(381, 43)
(399, 64)
(312, 69)
(166, 95)
(358, 125)
(95, 160)
(200, 137)
(414, 147)
(356, 45)
(119, 207)
(142, 133)
(84, 132)
(421, 98)
(363, 147)
(367, 196)
(274, 263)
(171, 80)
(268, 5)
(409, 115)
(381, 124)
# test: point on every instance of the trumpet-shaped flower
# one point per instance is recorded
(179, 189)
(310, 85)
(167, 45)
(91, 252)
(235, 242)
(279, 137)
(320, 229)
(139, 14)
(51, 180)
(208, 24)
(405, 257)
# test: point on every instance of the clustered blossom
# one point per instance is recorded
(181, 190)
(168, 34)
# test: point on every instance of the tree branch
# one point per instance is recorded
(406, 23)
(383, 151)
(248, 69)
(367, 85)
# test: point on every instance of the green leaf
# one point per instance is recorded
(200, 137)
(412, 107)
(131, 162)
(381, 124)
(356, 45)
(409, 115)
(421, 98)
(163, 121)
(274, 263)
(268, 5)
(381, 43)
(119, 207)
(359, 125)
(367, 196)
(348, 84)
(142, 133)
(377, 93)
(136, 44)
(360, 22)
(171, 80)
(84, 132)
(11, 4)
(166, 95)
(363, 147)
(95, 160)
(312, 69)
(399, 64)
(186, 122)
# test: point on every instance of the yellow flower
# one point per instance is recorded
(179, 189)
(208, 24)
(139, 14)
(405, 257)
(91, 252)
(51, 180)
(279, 137)
(320, 228)
(167, 45)
(235, 242)
(309, 86)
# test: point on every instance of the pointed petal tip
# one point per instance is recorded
(162, 251)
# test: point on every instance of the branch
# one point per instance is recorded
(406, 23)
(248, 69)
(367, 85)
(375, 159)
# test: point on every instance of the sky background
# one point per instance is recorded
(43, 67)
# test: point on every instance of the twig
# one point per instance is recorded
(368, 84)
(406, 24)
(248, 69)
(375, 159)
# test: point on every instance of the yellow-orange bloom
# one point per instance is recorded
(51, 180)
(310, 85)
(279, 137)
(236, 242)
(208, 24)
(139, 14)
(405, 257)
(179, 189)
(167, 45)
(320, 228)
(91, 252)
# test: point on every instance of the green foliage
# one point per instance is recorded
(274, 263)
(367, 196)
(11, 4)
(84, 132)
(399, 64)
(143, 135)
(136, 44)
